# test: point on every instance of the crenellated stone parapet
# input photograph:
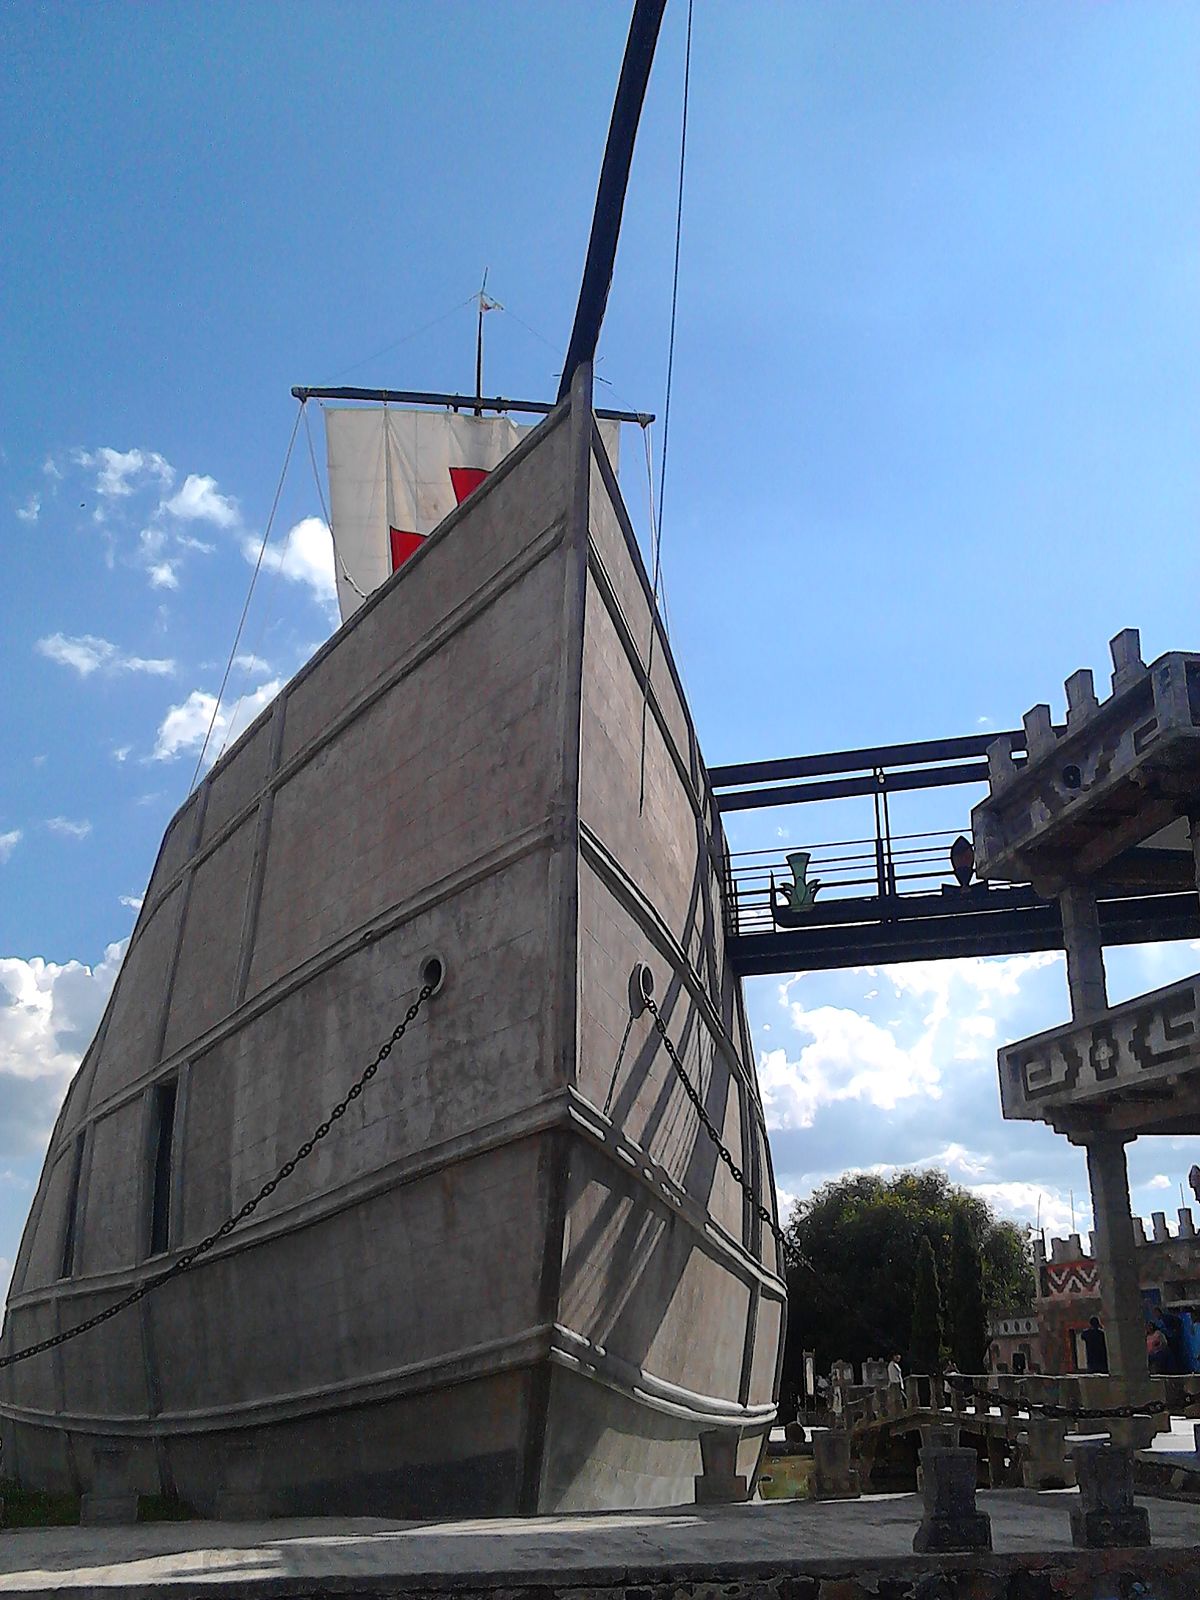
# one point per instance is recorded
(1117, 771)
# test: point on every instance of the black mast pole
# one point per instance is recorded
(610, 192)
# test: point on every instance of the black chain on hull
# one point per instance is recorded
(193, 1255)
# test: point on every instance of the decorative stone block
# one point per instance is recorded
(833, 1477)
(720, 1483)
(951, 1519)
(1044, 1463)
(1106, 1517)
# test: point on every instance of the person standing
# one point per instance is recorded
(1095, 1347)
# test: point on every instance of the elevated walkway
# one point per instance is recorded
(887, 896)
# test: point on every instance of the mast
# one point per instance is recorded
(610, 192)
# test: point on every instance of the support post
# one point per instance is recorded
(1085, 953)
(1116, 1257)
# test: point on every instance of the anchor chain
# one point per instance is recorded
(192, 1256)
(795, 1258)
(792, 1255)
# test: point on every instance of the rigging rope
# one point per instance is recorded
(312, 456)
(405, 338)
(662, 471)
(237, 638)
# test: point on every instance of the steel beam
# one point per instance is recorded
(911, 754)
(1011, 928)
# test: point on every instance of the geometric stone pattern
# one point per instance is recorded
(1153, 1040)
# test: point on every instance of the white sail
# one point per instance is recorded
(395, 475)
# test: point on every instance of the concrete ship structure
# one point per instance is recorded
(515, 1277)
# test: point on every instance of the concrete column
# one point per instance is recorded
(1116, 1257)
(1194, 825)
(1085, 953)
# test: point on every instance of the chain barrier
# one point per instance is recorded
(193, 1255)
(1051, 1408)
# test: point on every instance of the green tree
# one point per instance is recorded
(925, 1333)
(861, 1234)
(966, 1317)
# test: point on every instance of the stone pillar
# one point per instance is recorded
(1116, 1257)
(950, 1520)
(833, 1478)
(1085, 953)
(1106, 1517)
(720, 1483)
(1043, 1451)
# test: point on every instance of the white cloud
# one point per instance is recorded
(1036, 1205)
(121, 472)
(187, 541)
(8, 843)
(48, 1015)
(52, 470)
(1159, 1181)
(31, 510)
(253, 666)
(49, 1011)
(70, 830)
(132, 901)
(164, 575)
(198, 500)
(185, 727)
(87, 654)
(847, 1057)
(121, 752)
(306, 557)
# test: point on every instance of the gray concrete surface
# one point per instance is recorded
(496, 1552)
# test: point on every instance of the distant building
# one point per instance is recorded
(1014, 1343)
(1068, 1292)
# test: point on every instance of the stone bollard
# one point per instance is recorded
(113, 1497)
(935, 1436)
(833, 1477)
(1106, 1517)
(951, 1519)
(1044, 1463)
(720, 1483)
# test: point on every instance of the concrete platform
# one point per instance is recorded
(794, 1550)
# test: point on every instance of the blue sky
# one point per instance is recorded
(934, 436)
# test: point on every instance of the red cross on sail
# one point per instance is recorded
(464, 481)
(395, 475)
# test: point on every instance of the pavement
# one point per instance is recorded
(568, 1551)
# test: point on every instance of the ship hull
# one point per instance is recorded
(515, 1276)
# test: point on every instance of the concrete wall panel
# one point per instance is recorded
(203, 991)
(236, 782)
(420, 1274)
(113, 1231)
(501, 520)
(477, 1054)
(44, 1262)
(131, 1044)
(408, 792)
